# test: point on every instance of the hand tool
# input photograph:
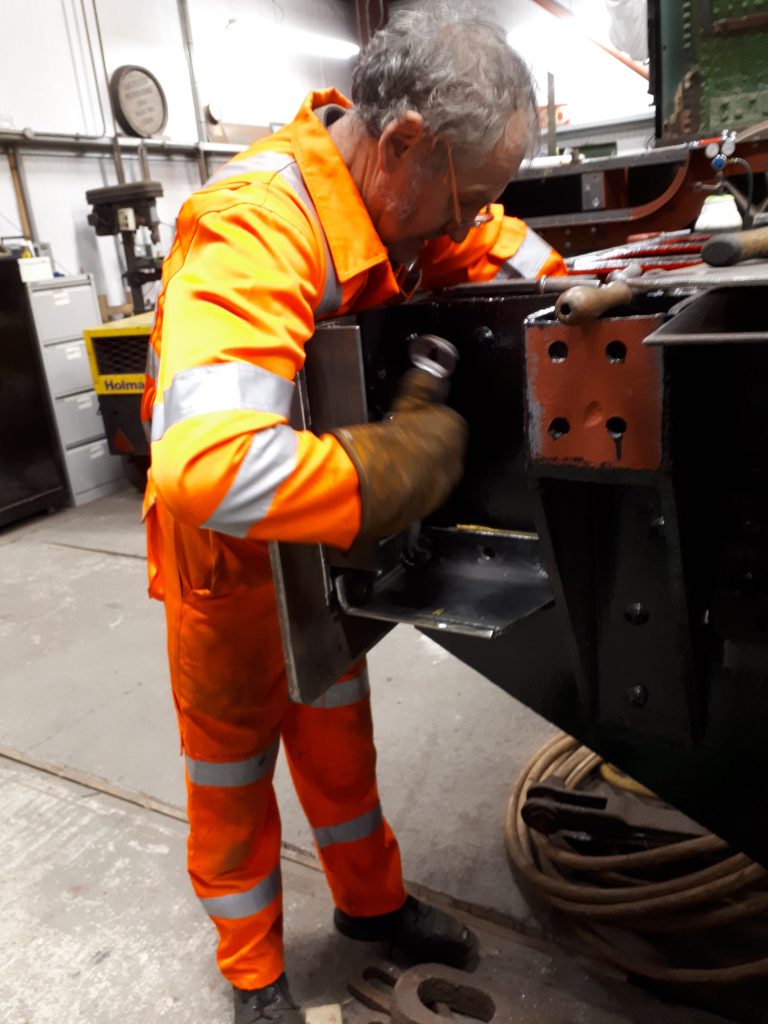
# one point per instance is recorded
(427, 994)
(604, 817)
(583, 305)
(726, 250)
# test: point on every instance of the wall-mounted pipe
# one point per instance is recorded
(202, 130)
(26, 219)
(32, 141)
(116, 154)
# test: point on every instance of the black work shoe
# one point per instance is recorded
(425, 934)
(273, 1003)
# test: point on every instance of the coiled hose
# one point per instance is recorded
(611, 890)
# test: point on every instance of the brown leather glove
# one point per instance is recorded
(410, 462)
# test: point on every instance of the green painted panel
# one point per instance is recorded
(712, 79)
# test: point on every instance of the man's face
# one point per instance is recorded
(427, 191)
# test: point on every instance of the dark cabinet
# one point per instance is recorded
(31, 477)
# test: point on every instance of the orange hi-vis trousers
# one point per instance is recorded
(230, 691)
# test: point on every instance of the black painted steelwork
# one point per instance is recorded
(654, 651)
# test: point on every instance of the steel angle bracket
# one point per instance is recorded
(320, 641)
(474, 582)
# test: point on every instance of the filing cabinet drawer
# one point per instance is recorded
(91, 465)
(78, 418)
(64, 312)
(67, 368)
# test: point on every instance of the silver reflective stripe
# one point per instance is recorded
(152, 371)
(153, 363)
(269, 162)
(530, 257)
(233, 773)
(331, 297)
(341, 695)
(243, 904)
(222, 387)
(349, 831)
(270, 459)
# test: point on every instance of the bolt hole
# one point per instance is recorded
(489, 552)
(616, 351)
(616, 426)
(559, 427)
(558, 351)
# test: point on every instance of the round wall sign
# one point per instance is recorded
(138, 101)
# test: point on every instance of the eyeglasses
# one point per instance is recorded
(486, 213)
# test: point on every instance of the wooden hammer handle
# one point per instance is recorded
(725, 250)
(582, 305)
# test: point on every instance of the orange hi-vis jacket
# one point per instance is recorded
(279, 239)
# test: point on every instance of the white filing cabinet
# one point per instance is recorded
(62, 308)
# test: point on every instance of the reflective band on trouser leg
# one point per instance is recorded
(248, 915)
(233, 773)
(349, 831)
(348, 690)
(332, 759)
(230, 692)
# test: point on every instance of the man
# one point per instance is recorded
(325, 217)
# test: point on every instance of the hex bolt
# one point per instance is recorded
(637, 614)
(637, 696)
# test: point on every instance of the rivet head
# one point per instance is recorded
(637, 696)
(657, 526)
(637, 614)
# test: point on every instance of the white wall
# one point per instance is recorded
(595, 86)
(244, 67)
(49, 85)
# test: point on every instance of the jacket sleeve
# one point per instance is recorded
(237, 311)
(504, 247)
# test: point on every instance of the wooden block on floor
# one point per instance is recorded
(330, 1014)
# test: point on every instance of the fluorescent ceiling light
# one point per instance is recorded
(313, 45)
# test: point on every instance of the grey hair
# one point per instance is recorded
(455, 68)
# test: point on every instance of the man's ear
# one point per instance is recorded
(399, 136)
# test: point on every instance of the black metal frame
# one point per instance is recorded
(653, 645)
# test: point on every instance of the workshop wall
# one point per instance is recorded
(594, 86)
(53, 81)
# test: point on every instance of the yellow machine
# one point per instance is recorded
(118, 356)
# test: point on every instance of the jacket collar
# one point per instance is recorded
(355, 246)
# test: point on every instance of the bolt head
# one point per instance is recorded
(637, 696)
(637, 614)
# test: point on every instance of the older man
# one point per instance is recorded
(339, 211)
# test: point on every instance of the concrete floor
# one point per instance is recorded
(98, 922)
